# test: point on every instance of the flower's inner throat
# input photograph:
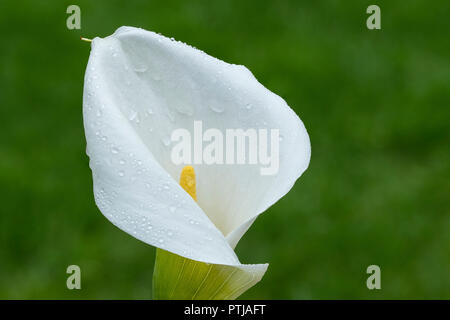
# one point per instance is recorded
(187, 181)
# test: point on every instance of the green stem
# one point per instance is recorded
(178, 278)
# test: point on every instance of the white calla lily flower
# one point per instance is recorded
(139, 88)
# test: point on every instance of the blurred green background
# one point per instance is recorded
(375, 103)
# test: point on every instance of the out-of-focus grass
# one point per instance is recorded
(376, 105)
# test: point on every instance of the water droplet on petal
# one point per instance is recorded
(141, 69)
(185, 109)
(170, 115)
(133, 115)
(166, 141)
(217, 108)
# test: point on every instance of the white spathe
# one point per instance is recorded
(139, 87)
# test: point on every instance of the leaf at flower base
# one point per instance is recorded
(179, 278)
